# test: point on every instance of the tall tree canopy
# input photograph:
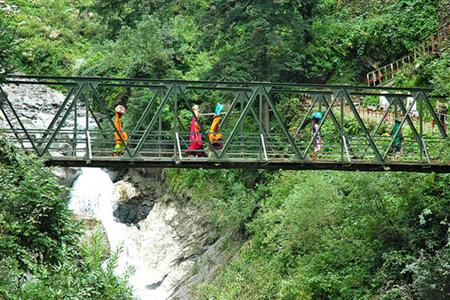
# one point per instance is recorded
(261, 40)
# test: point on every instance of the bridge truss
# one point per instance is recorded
(265, 125)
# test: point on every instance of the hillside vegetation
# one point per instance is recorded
(327, 235)
(41, 253)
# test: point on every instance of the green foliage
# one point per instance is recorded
(272, 29)
(230, 196)
(87, 279)
(41, 255)
(35, 221)
(429, 70)
(371, 101)
(325, 235)
(307, 235)
(351, 37)
(441, 75)
(52, 35)
(138, 52)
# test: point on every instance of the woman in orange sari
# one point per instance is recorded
(215, 136)
(118, 123)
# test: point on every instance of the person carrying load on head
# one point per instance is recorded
(215, 136)
(195, 137)
(118, 123)
(316, 117)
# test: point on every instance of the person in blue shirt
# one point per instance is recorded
(316, 117)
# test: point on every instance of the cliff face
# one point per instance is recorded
(169, 236)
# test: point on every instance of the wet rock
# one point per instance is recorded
(132, 212)
(132, 205)
(136, 195)
(66, 176)
(36, 105)
(117, 174)
(124, 191)
(202, 271)
(172, 234)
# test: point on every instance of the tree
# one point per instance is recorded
(7, 44)
(263, 34)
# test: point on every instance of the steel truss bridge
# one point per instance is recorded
(264, 125)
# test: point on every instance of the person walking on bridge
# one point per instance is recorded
(215, 136)
(316, 117)
(398, 140)
(195, 138)
(118, 123)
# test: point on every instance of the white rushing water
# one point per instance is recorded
(149, 251)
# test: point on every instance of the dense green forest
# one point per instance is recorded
(292, 235)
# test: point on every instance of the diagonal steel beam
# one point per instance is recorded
(327, 112)
(390, 102)
(74, 89)
(433, 114)
(52, 137)
(361, 124)
(255, 116)
(283, 126)
(400, 127)
(344, 141)
(2, 100)
(97, 122)
(332, 115)
(18, 120)
(408, 118)
(144, 114)
(419, 137)
(241, 117)
(153, 120)
(189, 105)
(233, 104)
(302, 124)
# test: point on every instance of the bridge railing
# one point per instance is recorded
(431, 44)
(263, 123)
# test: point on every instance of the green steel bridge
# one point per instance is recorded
(265, 125)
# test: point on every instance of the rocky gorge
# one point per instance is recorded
(163, 238)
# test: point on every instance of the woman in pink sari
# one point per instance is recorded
(195, 137)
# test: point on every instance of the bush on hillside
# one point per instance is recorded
(41, 255)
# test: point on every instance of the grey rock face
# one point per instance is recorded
(66, 176)
(36, 106)
(135, 201)
(202, 271)
(170, 236)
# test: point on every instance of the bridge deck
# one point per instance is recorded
(210, 163)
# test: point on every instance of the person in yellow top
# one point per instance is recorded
(118, 123)
(215, 136)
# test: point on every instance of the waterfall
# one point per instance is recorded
(148, 251)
